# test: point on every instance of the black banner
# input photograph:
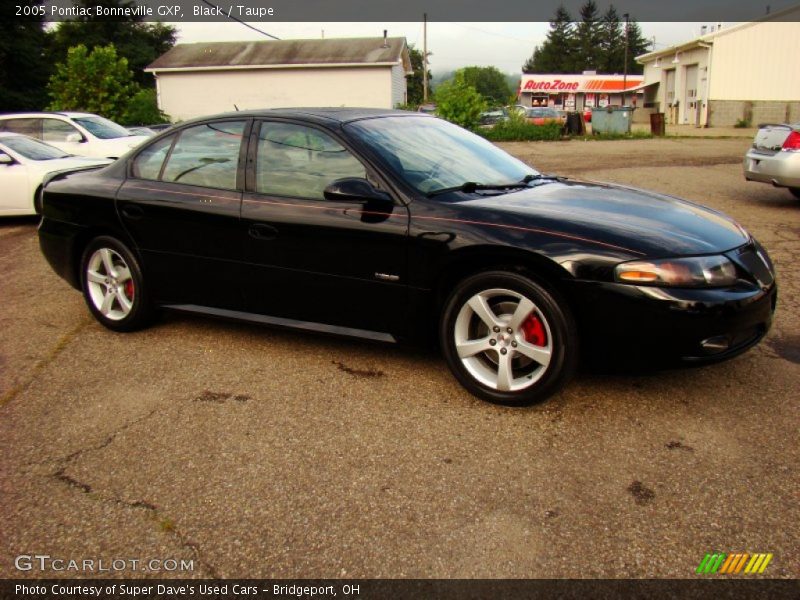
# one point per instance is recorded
(399, 589)
(384, 11)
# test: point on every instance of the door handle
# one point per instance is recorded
(133, 211)
(260, 231)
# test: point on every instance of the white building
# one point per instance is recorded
(206, 78)
(747, 72)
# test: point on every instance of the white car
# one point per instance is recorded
(774, 157)
(24, 164)
(83, 134)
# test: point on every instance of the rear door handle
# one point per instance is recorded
(133, 211)
(260, 231)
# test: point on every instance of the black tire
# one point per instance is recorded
(133, 289)
(556, 327)
(795, 192)
(37, 201)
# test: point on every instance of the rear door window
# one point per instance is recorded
(30, 127)
(206, 155)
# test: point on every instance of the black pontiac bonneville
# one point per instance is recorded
(393, 226)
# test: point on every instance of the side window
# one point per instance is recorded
(206, 155)
(147, 164)
(54, 130)
(300, 162)
(30, 127)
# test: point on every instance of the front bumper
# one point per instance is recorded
(646, 323)
(781, 169)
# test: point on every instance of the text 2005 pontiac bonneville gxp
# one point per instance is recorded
(393, 226)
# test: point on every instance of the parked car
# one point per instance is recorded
(775, 157)
(159, 127)
(491, 117)
(24, 164)
(541, 115)
(399, 227)
(428, 109)
(82, 134)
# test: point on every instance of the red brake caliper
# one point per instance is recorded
(533, 330)
(129, 288)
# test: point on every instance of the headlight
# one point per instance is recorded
(699, 271)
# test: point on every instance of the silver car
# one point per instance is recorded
(775, 157)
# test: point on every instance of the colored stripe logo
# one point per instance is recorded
(734, 564)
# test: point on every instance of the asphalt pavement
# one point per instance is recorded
(256, 452)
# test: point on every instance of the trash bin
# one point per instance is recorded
(657, 124)
(613, 119)
(574, 124)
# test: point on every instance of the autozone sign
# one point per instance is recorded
(554, 84)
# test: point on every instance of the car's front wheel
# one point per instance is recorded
(508, 339)
(796, 192)
(113, 285)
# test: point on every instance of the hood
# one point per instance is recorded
(650, 224)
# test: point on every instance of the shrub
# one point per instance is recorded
(517, 129)
(742, 123)
(459, 103)
(143, 109)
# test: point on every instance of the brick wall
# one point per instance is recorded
(725, 113)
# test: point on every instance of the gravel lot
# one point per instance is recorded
(265, 453)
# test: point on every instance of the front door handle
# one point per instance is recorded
(133, 211)
(260, 231)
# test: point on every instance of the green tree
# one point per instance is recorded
(556, 54)
(138, 42)
(587, 41)
(415, 80)
(459, 102)
(143, 109)
(612, 42)
(98, 81)
(489, 82)
(24, 69)
(637, 45)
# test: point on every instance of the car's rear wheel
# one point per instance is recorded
(796, 192)
(113, 285)
(508, 339)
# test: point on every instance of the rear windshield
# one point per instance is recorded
(32, 149)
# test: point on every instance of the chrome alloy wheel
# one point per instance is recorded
(503, 340)
(110, 284)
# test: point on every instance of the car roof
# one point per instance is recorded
(30, 115)
(319, 115)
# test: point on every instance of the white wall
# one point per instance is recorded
(759, 62)
(399, 85)
(185, 95)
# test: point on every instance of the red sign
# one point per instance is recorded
(555, 84)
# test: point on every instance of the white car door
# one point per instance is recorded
(16, 197)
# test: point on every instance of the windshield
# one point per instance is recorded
(33, 149)
(432, 154)
(102, 128)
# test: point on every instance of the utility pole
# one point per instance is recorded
(424, 57)
(625, 71)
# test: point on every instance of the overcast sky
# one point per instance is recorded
(503, 45)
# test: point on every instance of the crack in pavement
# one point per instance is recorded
(60, 475)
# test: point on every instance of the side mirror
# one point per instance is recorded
(75, 138)
(355, 189)
(5, 159)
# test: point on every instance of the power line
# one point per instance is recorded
(212, 5)
(500, 35)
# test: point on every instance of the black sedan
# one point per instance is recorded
(400, 227)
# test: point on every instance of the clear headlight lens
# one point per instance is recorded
(698, 271)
